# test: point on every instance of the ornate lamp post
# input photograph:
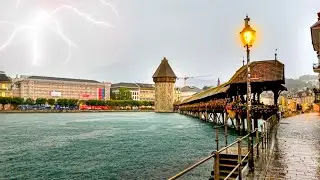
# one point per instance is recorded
(248, 36)
(315, 36)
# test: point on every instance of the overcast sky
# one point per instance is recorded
(198, 37)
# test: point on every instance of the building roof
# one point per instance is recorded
(125, 84)
(4, 77)
(144, 85)
(315, 28)
(132, 85)
(261, 71)
(61, 79)
(264, 71)
(190, 89)
(317, 24)
(164, 70)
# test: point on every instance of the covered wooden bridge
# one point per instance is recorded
(228, 100)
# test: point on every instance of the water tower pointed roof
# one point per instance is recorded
(164, 70)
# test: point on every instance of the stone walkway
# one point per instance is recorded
(297, 149)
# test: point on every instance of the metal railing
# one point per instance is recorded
(240, 158)
(266, 128)
(264, 135)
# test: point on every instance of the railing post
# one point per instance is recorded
(266, 135)
(217, 137)
(239, 158)
(216, 166)
(262, 136)
(226, 130)
(257, 141)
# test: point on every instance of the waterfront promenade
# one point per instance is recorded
(296, 152)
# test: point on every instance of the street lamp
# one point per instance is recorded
(248, 36)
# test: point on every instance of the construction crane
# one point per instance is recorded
(185, 78)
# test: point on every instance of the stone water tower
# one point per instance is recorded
(164, 79)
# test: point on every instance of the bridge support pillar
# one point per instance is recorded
(238, 124)
(243, 126)
(255, 122)
(215, 118)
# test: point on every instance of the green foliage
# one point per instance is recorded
(122, 94)
(16, 101)
(113, 96)
(5, 100)
(51, 102)
(41, 101)
(67, 102)
(72, 102)
(95, 102)
(206, 87)
(119, 103)
(29, 101)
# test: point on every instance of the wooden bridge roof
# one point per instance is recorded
(261, 71)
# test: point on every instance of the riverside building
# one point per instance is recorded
(139, 91)
(55, 87)
(5, 85)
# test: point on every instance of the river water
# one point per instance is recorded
(129, 145)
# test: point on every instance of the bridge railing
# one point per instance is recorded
(261, 142)
(266, 128)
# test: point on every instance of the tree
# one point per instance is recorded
(4, 101)
(41, 101)
(72, 102)
(124, 94)
(63, 102)
(16, 101)
(81, 102)
(29, 101)
(206, 87)
(113, 96)
(51, 102)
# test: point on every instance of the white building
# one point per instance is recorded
(188, 91)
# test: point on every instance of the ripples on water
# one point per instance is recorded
(103, 146)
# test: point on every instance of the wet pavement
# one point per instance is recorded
(296, 152)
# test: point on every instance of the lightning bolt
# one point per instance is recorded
(44, 19)
(17, 29)
(81, 14)
(115, 11)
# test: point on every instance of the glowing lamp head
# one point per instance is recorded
(248, 35)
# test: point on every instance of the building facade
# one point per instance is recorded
(5, 85)
(188, 91)
(132, 87)
(267, 98)
(305, 97)
(177, 95)
(164, 79)
(139, 91)
(147, 92)
(56, 88)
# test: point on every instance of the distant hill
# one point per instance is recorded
(305, 81)
(308, 77)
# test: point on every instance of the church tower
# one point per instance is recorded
(164, 79)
